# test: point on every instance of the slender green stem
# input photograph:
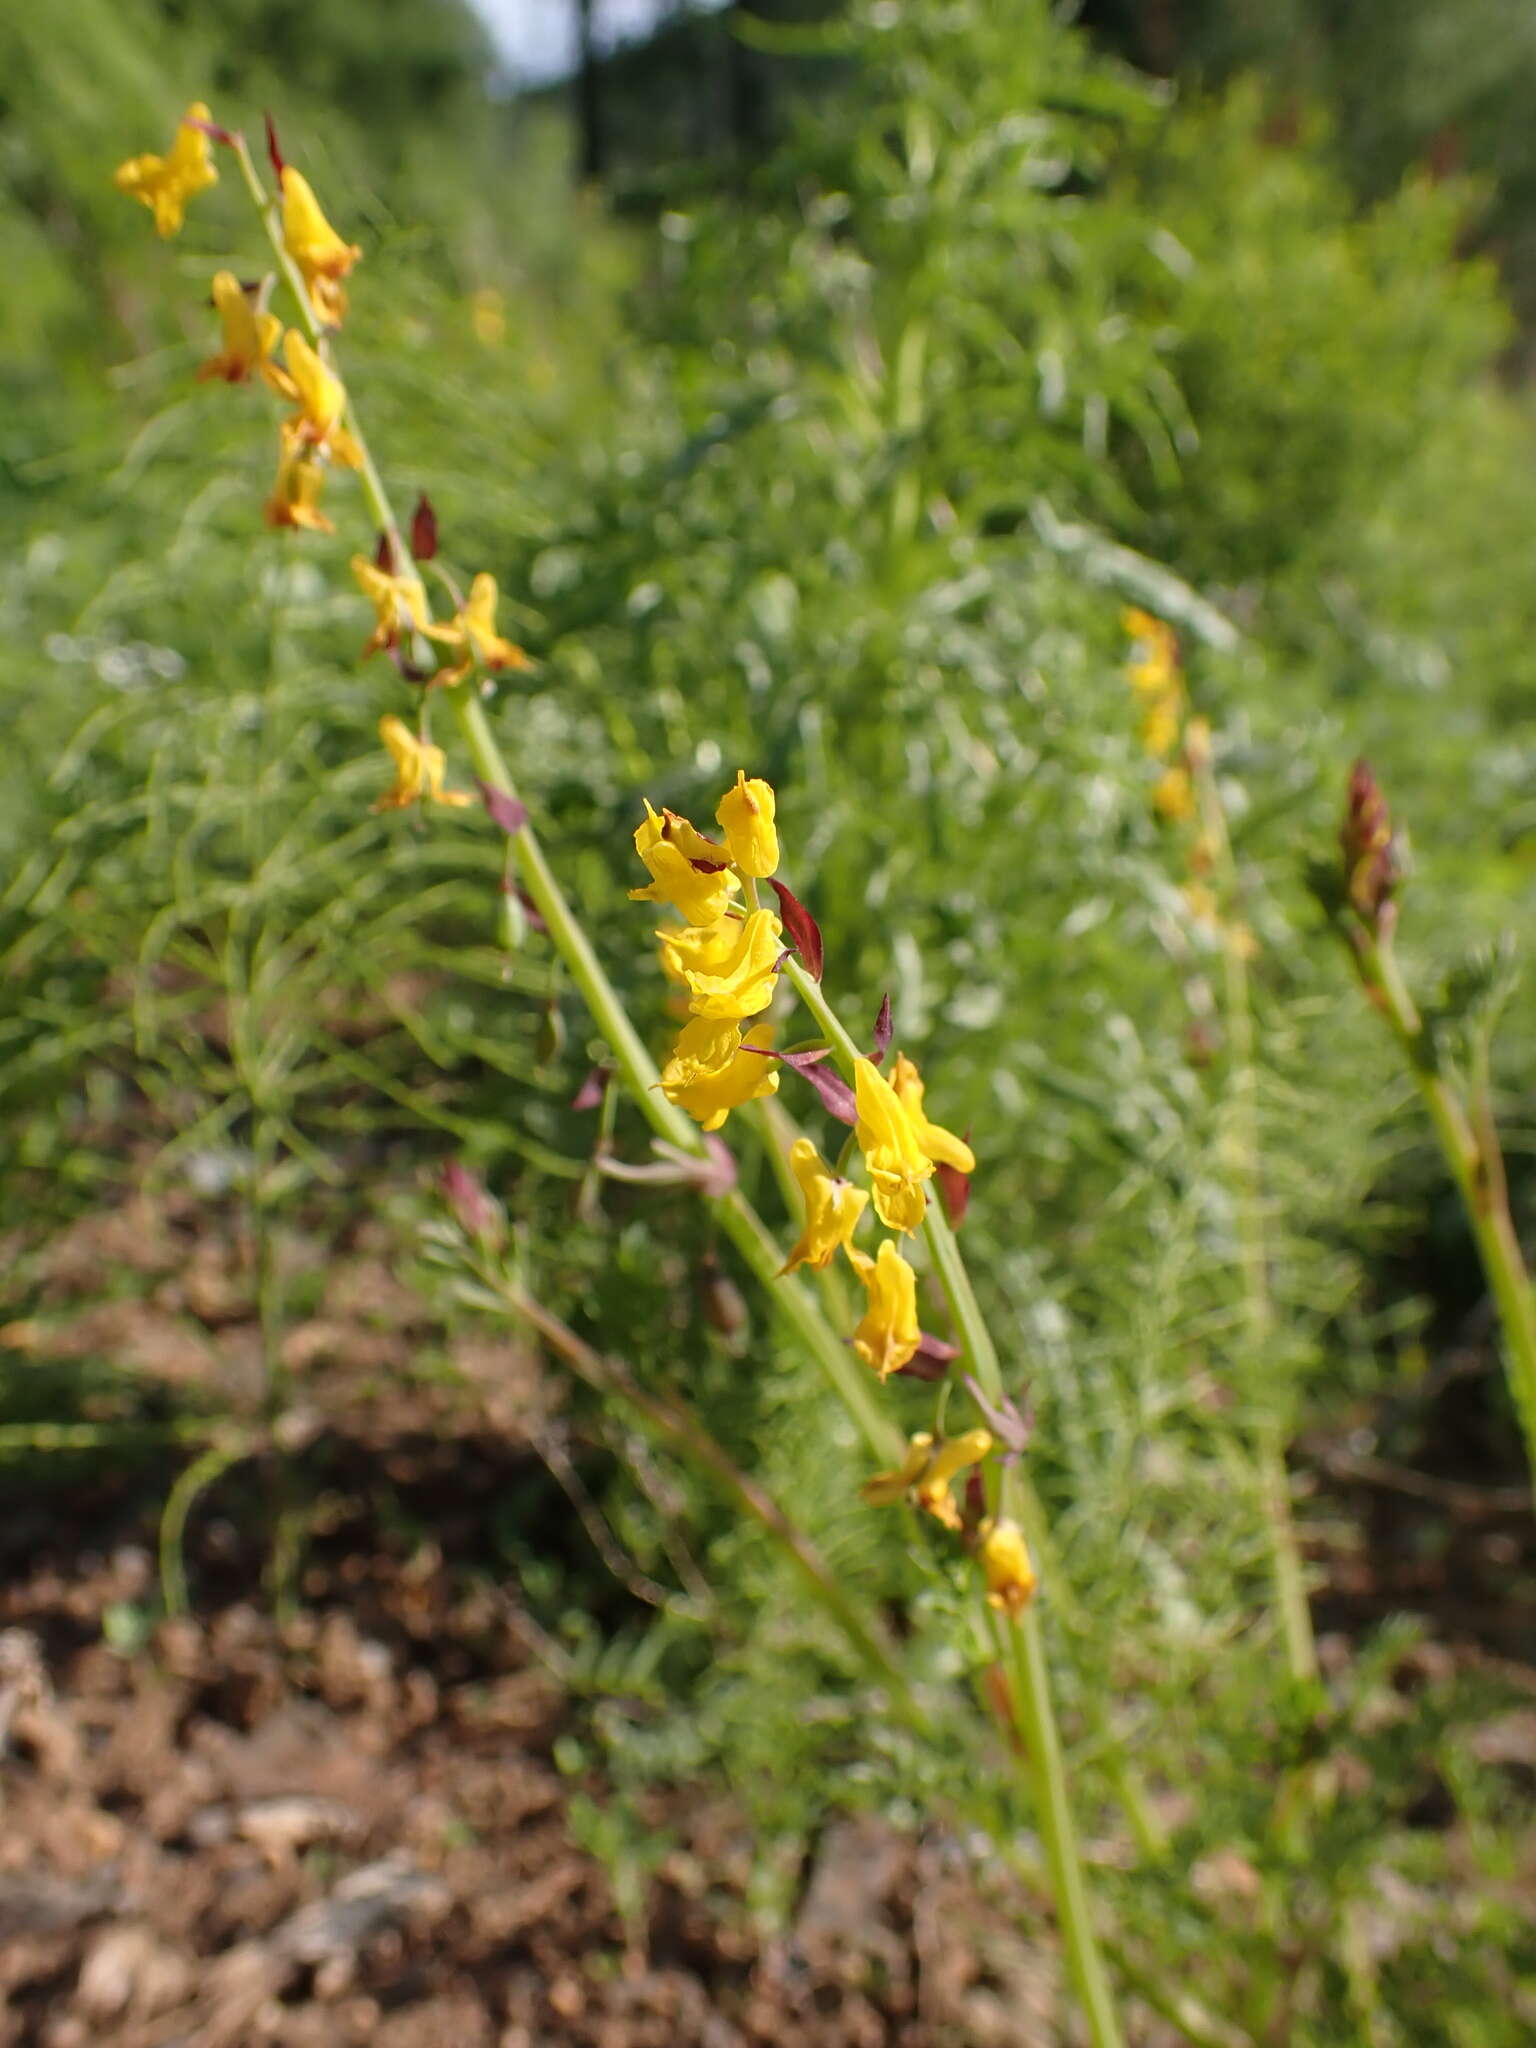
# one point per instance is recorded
(1472, 1153)
(204, 1469)
(1036, 1717)
(1058, 1831)
(1286, 1569)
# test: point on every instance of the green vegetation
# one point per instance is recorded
(844, 471)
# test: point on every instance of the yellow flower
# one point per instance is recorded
(745, 980)
(1005, 1561)
(832, 1208)
(715, 1090)
(664, 842)
(399, 603)
(419, 769)
(1197, 743)
(941, 1146)
(696, 948)
(897, 1163)
(888, 1334)
(704, 1049)
(295, 499)
(928, 1474)
(1154, 663)
(1173, 795)
(1160, 726)
(474, 629)
(321, 398)
(324, 259)
(250, 335)
(165, 183)
(745, 816)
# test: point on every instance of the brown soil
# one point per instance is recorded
(350, 1827)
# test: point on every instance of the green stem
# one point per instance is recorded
(1036, 1716)
(1058, 1831)
(1286, 1568)
(204, 1469)
(1477, 1167)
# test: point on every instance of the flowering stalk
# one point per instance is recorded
(1187, 792)
(741, 1222)
(1360, 899)
(730, 962)
(1022, 1639)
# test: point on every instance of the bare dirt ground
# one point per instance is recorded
(348, 1826)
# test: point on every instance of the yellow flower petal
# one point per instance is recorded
(941, 1146)
(888, 1335)
(832, 1208)
(710, 1097)
(745, 815)
(745, 980)
(1005, 1562)
(897, 1163)
(165, 183)
(702, 893)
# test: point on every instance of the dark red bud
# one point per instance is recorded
(1370, 855)
(275, 154)
(882, 1031)
(424, 530)
(954, 1192)
(803, 930)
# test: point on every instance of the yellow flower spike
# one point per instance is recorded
(399, 603)
(932, 1490)
(323, 258)
(897, 1163)
(321, 398)
(165, 183)
(475, 631)
(250, 335)
(710, 1099)
(941, 1146)
(745, 981)
(419, 769)
(701, 894)
(832, 1209)
(1173, 795)
(886, 1488)
(1005, 1561)
(295, 499)
(888, 1335)
(745, 816)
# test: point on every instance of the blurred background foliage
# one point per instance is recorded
(829, 436)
